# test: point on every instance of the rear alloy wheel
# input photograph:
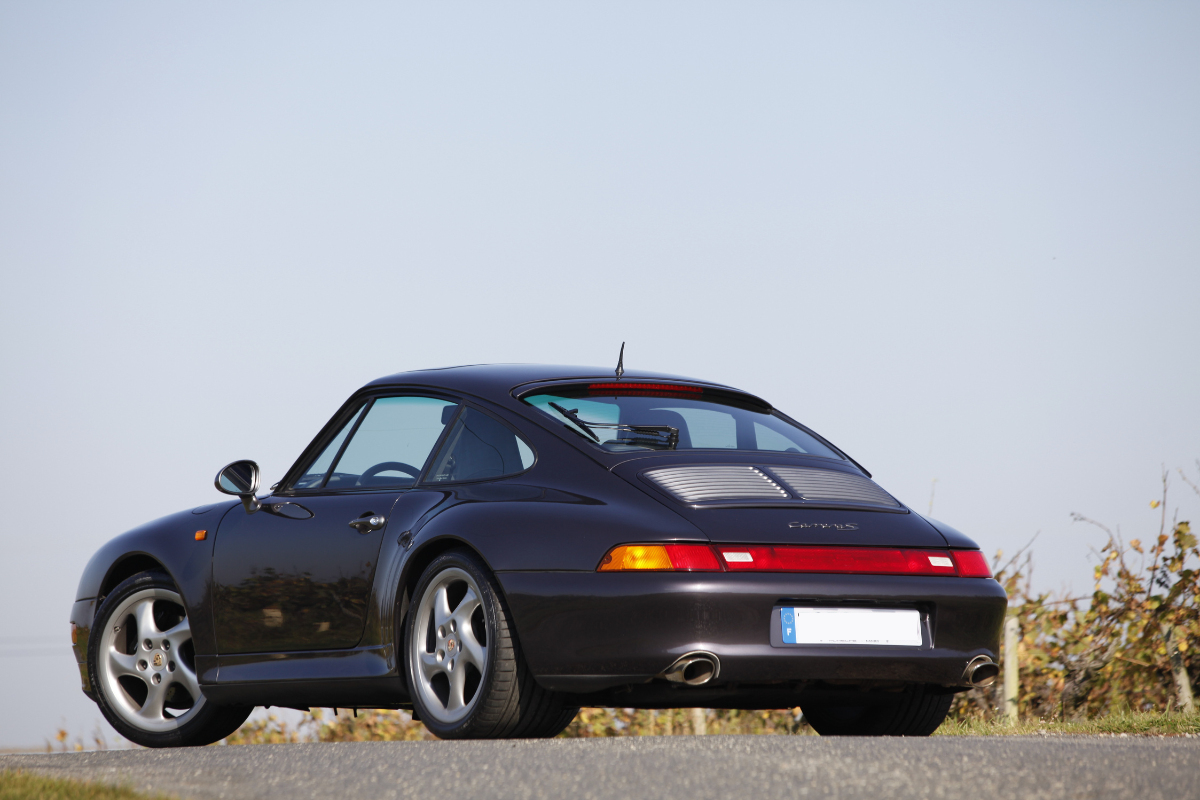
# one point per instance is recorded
(143, 668)
(917, 711)
(464, 666)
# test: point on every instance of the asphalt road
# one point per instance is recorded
(683, 767)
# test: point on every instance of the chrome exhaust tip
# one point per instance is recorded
(981, 671)
(693, 669)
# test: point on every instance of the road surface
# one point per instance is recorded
(675, 767)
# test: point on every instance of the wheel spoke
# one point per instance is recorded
(144, 614)
(462, 614)
(441, 607)
(472, 650)
(121, 665)
(457, 684)
(187, 679)
(430, 666)
(156, 696)
(179, 634)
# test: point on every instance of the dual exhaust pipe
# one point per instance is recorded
(699, 667)
(693, 669)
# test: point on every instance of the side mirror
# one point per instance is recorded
(240, 478)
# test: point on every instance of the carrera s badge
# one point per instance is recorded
(837, 526)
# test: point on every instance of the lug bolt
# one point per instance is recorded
(453, 626)
(143, 666)
(166, 645)
(157, 678)
(149, 645)
(441, 632)
(170, 666)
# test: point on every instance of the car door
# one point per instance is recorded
(297, 574)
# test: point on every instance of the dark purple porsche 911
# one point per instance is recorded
(494, 547)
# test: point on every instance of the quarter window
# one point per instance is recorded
(480, 447)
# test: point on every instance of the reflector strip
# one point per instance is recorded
(865, 560)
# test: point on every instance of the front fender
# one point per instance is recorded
(170, 541)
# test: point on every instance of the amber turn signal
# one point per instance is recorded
(668, 557)
(74, 634)
(201, 536)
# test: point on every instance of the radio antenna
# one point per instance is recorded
(621, 362)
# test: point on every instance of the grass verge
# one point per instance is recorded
(1149, 724)
(20, 785)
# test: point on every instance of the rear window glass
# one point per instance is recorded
(619, 422)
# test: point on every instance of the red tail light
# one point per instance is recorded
(972, 564)
(766, 558)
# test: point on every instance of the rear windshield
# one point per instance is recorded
(622, 422)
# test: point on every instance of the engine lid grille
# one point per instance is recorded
(773, 485)
(827, 486)
(701, 484)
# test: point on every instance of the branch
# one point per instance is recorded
(1188, 480)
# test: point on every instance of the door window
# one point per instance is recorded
(387, 449)
(480, 447)
(314, 476)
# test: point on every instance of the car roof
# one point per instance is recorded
(500, 379)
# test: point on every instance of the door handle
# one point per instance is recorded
(368, 524)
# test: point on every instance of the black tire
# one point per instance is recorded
(506, 701)
(119, 633)
(917, 711)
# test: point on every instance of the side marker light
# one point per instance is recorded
(201, 536)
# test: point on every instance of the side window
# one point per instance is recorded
(314, 476)
(480, 447)
(392, 443)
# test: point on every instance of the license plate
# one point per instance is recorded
(899, 627)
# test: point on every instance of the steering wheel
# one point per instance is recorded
(388, 466)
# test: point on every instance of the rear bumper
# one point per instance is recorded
(587, 632)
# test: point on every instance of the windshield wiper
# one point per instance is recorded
(647, 435)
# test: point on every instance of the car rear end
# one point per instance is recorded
(805, 577)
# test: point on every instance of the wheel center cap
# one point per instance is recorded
(450, 645)
(158, 660)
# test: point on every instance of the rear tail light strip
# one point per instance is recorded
(770, 558)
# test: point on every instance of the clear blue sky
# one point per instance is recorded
(960, 240)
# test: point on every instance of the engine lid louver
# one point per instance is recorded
(827, 486)
(722, 484)
(701, 484)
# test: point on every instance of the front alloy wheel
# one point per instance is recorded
(143, 668)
